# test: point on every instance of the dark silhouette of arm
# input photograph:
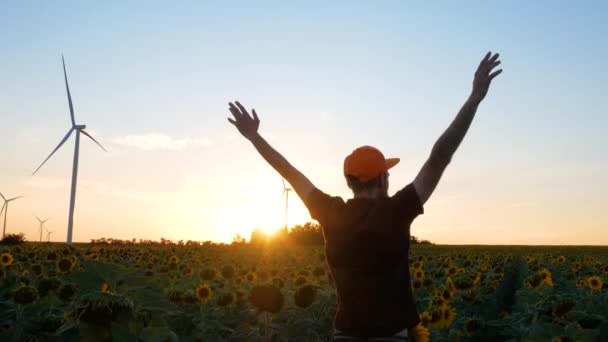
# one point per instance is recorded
(248, 126)
(427, 179)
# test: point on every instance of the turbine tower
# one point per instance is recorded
(79, 129)
(41, 225)
(286, 191)
(48, 235)
(5, 210)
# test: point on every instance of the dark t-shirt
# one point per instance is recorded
(367, 247)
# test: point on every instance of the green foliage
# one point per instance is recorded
(13, 239)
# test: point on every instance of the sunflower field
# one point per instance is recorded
(53, 292)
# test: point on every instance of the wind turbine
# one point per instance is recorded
(5, 209)
(79, 129)
(41, 225)
(286, 191)
(48, 235)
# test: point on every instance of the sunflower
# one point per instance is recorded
(425, 318)
(534, 281)
(419, 333)
(64, 265)
(529, 259)
(25, 295)
(187, 271)
(6, 259)
(436, 317)
(208, 274)
(250, 277)
(561, 309)
(226, 299)
(450, 285)
(581, 283)
(104, 287)
(173, 259)
(576, 267)
(419, 274)
(448, 315)
(267, 298)
(447, 295)
(305, 296)
(595, 283)
(203, 293)
(561, 259)
(545, 275)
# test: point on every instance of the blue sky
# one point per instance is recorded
(152, 82)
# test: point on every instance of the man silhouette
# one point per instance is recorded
(367, 237)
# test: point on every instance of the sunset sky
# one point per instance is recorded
(152, 81)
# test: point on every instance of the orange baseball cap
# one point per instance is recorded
(366, 163)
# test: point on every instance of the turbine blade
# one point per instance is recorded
(67, 88)
(2, 210)
(14, 198)
(55, 150)
(88, 135)
(1, 195)
(283, 180)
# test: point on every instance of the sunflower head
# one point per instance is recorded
(562, 308)
(267, 298)
(595, 283)
(6, 259)
(448, 315)
(419, 333)
(425, 319)
(305, 296)
(203, 293)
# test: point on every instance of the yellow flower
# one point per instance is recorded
(204, 293)
(419, 274)
(104, 287)
(581, 283)
(436, 317)
(595, 283)
(448, 315)
(425, 319)
(450, 285)
(561, 259)
(545, 275)
(419, 333)
(6, 259)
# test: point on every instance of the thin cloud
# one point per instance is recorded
(160, 141)
(115, 191)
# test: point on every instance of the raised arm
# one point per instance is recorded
(248, 127)
(443, 150)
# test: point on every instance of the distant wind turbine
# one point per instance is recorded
(48, 235)
(79, 129)
(5, 209)
(286, 191)
(41, 225)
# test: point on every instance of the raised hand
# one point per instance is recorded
(245, 123)
(484, 76)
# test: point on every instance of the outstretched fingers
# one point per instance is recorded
(243, 110)
(495, 73)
